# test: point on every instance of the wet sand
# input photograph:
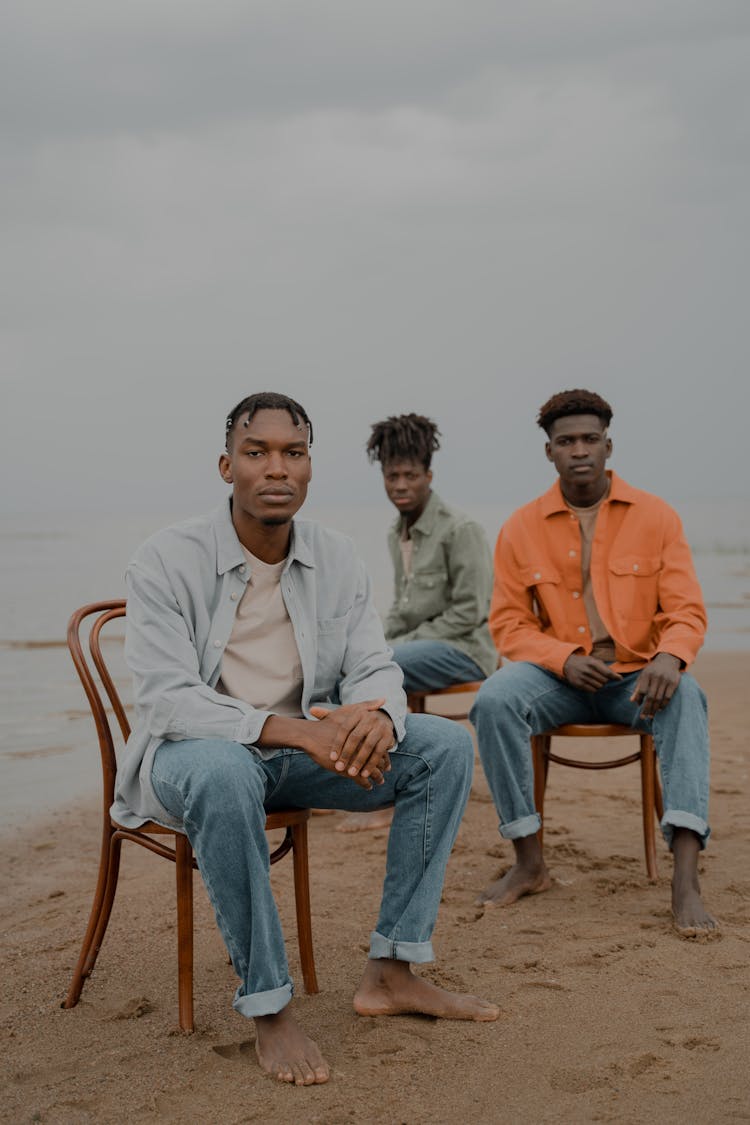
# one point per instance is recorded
(606, 1014)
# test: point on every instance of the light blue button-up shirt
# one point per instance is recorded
(184, 586)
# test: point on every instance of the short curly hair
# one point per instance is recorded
(573, 402)
(267, 400)
(404, 437)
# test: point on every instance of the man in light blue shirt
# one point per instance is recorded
(240, 627)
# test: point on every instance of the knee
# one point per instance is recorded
(689, 694)
(499, 694)
(458, 749)
(229, 777)
(441, 743)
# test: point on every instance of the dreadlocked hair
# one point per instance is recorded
(573, 402)
(268, 400)
(404, 437)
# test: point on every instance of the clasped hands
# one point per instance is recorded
(654, 687)
(353, 740)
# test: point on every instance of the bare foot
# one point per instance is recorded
(691, 919)
(367, 821)
(286, 1053)
(514, 884)
(390, 988)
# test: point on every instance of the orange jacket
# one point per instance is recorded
(642, 575)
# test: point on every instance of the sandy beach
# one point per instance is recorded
(606, 1014)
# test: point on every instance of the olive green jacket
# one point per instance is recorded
(447, 596)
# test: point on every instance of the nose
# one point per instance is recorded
(580, 450)
(275, 466)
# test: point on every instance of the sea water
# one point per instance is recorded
(49, 566)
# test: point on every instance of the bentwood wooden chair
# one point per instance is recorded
(651, 798)
(416, 701)
(151, 835)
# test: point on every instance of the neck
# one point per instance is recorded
(412, 517)
(585, 495)
(268, 542)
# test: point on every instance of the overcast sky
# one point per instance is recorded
(452, 208)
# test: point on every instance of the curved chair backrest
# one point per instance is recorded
(106, 612)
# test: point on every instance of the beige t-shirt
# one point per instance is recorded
(261, 663)
(406, 543)
(603, 645)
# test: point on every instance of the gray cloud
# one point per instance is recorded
(452, 209)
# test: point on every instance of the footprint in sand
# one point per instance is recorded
(234, 1051)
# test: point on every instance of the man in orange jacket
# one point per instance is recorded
(597, 604)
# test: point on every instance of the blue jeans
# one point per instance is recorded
(430, 665)
(523, 699)
(221, 791)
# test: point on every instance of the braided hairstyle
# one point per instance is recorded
(573, 402)
(268, 400)
(404, 437)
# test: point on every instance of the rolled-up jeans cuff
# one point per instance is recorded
(674, 818)
(262, 1003)
(524, 826)
(383, 948)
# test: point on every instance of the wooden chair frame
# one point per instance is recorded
(651, 798)
(294, 821)
(417, 700)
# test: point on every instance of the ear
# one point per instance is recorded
(225, 468)
(608, 447)
(548, 450)
(429, 476)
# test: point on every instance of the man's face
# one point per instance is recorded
(407, 484)
(268, 466)
(578, 447)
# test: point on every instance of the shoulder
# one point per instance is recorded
(642, 504)
(449, 520)
(527, 516)
(170, 544)
(325, 544)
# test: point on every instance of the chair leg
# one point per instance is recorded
(649, 783)
(101, 908)
(416, 704)
(302, 903)
(540, 744)
(184, 875)
(658, 799)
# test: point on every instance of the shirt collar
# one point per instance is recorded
(553, 500)
(229, 553)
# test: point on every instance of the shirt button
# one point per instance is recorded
(635, 566)
(217, 644)
(576, 594)
(537, 574)
(243, 568)
(234, 596)
(572, 554)
(581, 628)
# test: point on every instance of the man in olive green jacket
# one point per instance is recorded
(437, 625)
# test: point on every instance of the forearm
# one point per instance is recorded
(280, 732)
(532, 645)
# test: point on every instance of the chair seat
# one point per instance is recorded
(416, 700)
(593, 730)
